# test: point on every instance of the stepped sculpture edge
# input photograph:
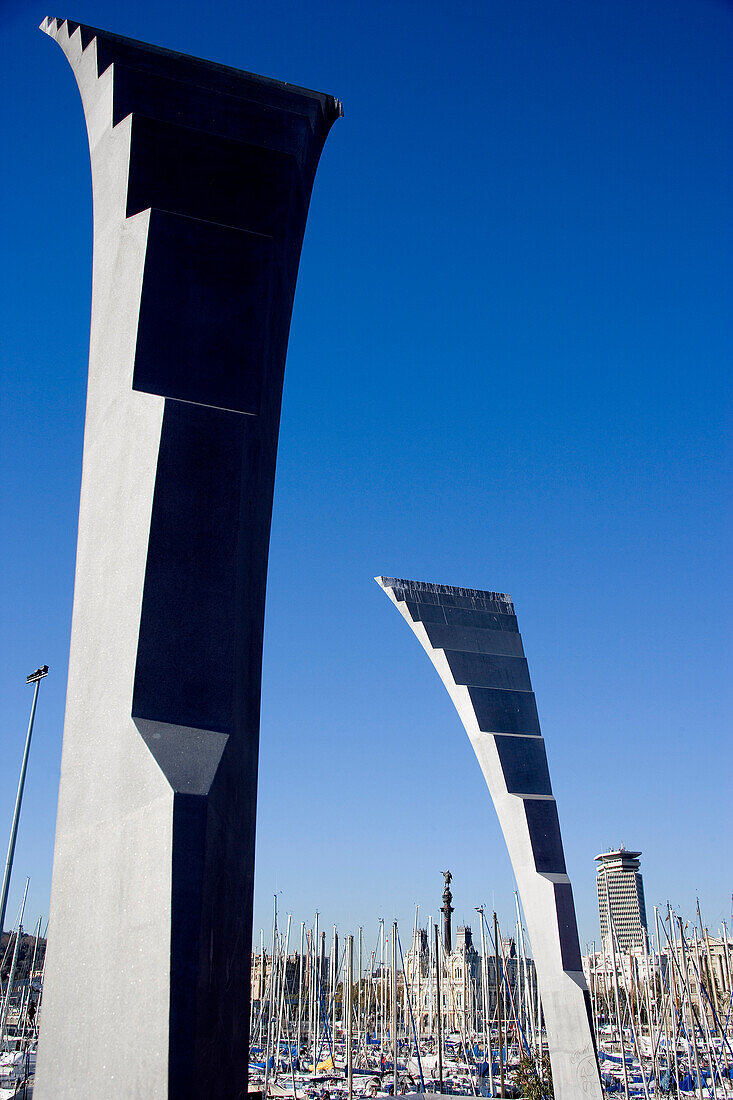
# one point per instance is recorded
(473, 641)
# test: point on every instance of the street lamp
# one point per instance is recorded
(34, 678)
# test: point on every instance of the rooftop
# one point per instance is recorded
(618, 853)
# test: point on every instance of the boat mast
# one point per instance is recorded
(358, 997)
(429, 999)
(649, 1014)
(383, 983)
(262, 981)
(11, 975)
(300, 989)
(268, 1029)
(523, 958)
(676, 1017)
(30, 980)
(665, 1000)
(349, 1016)
(688, 990)
(498, 1004)
(316, 987)
(485, 998)
(438, 1010)
(612, 937)
(394, 1008)
(416, 962)
(334, 983)
(281, 1008)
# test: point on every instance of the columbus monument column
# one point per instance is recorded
(473, 641)
(447, 912)
(201, 178)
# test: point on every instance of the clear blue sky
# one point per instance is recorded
(508, 369)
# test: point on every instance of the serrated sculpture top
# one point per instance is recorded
(216, 78)
(443, 590)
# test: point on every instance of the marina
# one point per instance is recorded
(428, 1009)
(374, 1019)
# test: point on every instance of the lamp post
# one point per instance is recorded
(34, 678)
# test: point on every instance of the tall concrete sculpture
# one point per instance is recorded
(473, 641)
(201, 179)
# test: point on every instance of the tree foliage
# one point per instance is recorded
(534, 1085)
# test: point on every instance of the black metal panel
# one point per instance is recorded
(443, 599)
(589, 1011)
(482, 670)
(567, 927)
(524, 764)
(185, 671)
(544, 833)
(200, 333)
(470, 639)
(485, 619)
(460, 616)
(205, 176)
(425, 612)
(226, 113)
(210, 80)
(505, 711)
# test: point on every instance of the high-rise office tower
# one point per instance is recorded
(621, 891)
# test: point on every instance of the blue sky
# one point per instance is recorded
(508, 369)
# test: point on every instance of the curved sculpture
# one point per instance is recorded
(472, 639)
(201, 180)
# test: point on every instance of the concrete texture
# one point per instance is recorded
(201, 180)
(473, 641)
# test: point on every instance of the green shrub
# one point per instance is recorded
(533, 1085)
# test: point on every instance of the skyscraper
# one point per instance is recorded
(621, 890)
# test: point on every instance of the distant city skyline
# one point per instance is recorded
(508, 369)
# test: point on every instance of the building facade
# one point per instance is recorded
(462, 984)
(621, 898)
